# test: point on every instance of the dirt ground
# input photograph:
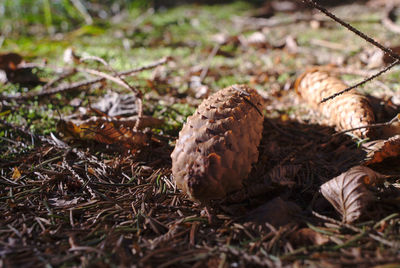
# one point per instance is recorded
(80, 188)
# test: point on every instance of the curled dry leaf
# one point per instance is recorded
(114, 104)
(103, 131)
(10, 61)
(387, 59)
(379, 150)
(280, 176)
(348, 192)
(346, 111)
(307, 236)
(70, 56)
(284, 175)
(16, 175)
(218, 144)
(13, 70)
(276, 212)
(62, 203)
(256, 39)
(391, 129)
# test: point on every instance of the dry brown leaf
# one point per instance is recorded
(64, 203)
(114, 104)
(284, 175)
(104, 132)
(392, 129)
(307, 236)
(346, 111)
(348, 192)
(14, 70)
(10, 61)
(256, 39)
(388, 59)
(16, 174)
(379, 150)
(276, 212)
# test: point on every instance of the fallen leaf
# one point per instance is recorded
(348, 192)
(276, 212)
(307, 236)
(10, 61)
(379, 150)
(64, 203)
(13, 70)
(224, 39)
(256, 39)
(388, 59)
(284, 175)
(373, 58)
(16, 174)
(392, 129)
(114, 104)
(291, 44)
(102, 131)
(70, 57)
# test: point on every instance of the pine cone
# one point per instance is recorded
(218, 144)
(346, 111)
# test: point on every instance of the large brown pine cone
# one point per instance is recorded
(346, 111)
(218, 144)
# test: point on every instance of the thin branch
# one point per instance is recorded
(76, 85)
(387, 68)
(204, 71)
(18, 128)
(351, 28)
(105, 76)
(396, 118)
(390, 52)
(378, 238)
(58, 79)
(65, 165)
(119, 80)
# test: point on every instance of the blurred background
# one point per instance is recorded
(66, 15)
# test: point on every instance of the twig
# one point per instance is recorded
(358, 230)
(58, 79)
(354, 30)
(119, 80)
(76, 85)
(397, 61)
(396, 118)
(105, 76)
(244, 94)
(253, 259)
(58, 144)
(390, 52)
(79, 178)
(257, 23)
(18, 128)
(347, 70)
(204, 71)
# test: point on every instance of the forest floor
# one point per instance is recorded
(71, 195)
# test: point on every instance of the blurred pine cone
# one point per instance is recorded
(218, 144)
(346, 111)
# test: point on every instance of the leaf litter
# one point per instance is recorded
(78, 204)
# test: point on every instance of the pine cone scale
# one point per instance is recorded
(218, 144)
(346, 111)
